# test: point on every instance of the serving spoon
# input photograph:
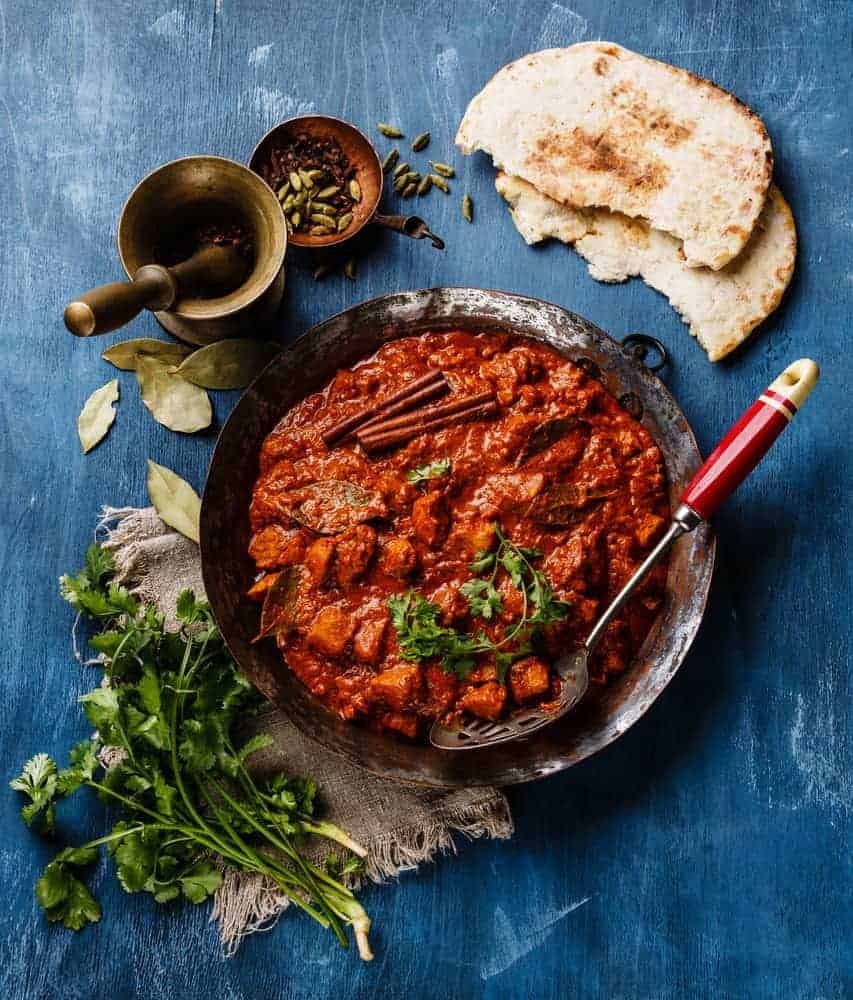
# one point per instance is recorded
(718, 477)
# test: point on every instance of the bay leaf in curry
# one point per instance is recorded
(127, 354)
(175, 501)
(173, 402)
(546, 434)
(280, 606)
(97, 415)
(227, 364)
(330, 506)
(561, 504)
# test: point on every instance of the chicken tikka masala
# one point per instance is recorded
(441, 521)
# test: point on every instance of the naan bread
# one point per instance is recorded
(721, 307)
(595, 125)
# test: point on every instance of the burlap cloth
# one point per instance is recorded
(400, 826)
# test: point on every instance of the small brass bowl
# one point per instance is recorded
(368, 172)
(199, 189)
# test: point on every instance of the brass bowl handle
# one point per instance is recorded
(408, 225)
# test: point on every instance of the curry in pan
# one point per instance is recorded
(439, 523)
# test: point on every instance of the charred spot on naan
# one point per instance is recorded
(595, 153)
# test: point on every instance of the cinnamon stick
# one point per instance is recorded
(398, 401)
(389, 439)
(381, 425)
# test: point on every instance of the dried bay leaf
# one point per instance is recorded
(175, 501)
(97, 415)
(173, 402)
(545, 434)
(126, 354)
(330, 506)
(279, 612)
(227, 364)
(563, 503)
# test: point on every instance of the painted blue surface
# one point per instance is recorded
(707, 854)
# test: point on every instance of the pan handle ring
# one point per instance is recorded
(638, 345)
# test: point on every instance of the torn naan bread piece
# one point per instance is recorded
(595, 125)
(720, 307)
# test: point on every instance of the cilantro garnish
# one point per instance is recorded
(423, 473)
(188, 801)
(421, 636)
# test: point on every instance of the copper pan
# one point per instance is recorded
(306, 366)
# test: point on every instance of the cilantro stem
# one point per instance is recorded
(280, 875)
(290, 851)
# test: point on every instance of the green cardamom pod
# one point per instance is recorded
(355, 190)
(424, 185)
(409, 190)
(440, 183)
(389, 131)
(295, 180)
(443, 169)
(401, 169)
(420, 142)
(390, 160)
(344, 221)
(468, 208)
(327, 192)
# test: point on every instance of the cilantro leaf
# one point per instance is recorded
(434, 470)
(83, 762)
(201, 881)
(62, 895)
(38, 782)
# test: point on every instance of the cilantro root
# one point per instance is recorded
(188, 802)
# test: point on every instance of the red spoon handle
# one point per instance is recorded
(749, 440)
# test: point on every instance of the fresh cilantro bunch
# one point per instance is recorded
(421, 636)
(189, 805)
(422, 474)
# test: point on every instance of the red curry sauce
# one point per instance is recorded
(344, 648)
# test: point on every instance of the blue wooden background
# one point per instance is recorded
(707, 854)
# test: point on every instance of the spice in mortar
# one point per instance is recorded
(188, 236)
(315, 183)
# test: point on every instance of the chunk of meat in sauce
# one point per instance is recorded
(399, 494)
(441, 688)
(397, 687)
(453, 604)
(274, 547)
(330, 631)
(401, 722)
(475, 536)
(399, 558)
(486, 701)
(318, 559)
(529, 678)
(355, 549)
(431, 519)
(367, 645)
